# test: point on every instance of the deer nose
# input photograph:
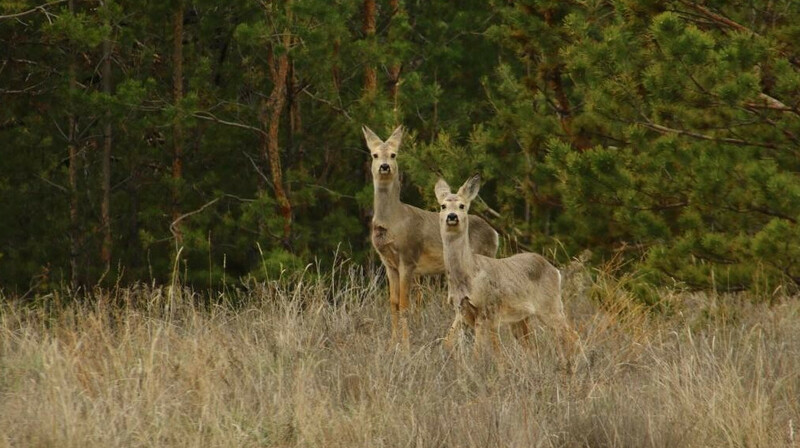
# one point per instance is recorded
(452, 219)
(385, 168)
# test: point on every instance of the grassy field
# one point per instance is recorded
(309, 363)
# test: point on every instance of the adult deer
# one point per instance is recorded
(407, 238)
(489, 292)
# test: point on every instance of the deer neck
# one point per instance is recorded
(459, 263)
(386, 203)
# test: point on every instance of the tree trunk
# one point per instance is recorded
(177, 125)
(74, 235)
(370, 75)
(105, 208)
(552, 79)
(270, 116)
(394, 70)
(335, 70)
(295, 117)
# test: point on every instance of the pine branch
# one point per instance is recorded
(725, 21)
(763, 211)
(717, 18)
(731, 141)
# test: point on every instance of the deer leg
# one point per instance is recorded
(394, 298)
(454, 333)
(485, 334)
(417, 296)
(571, 341)
(480, 337)
(494, 335)
(568, 339)
(497, 353)
(521, 332)
(406, 275)
(487, 340)
(566, 336)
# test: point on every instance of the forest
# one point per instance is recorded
(222, 140)
(186, 196)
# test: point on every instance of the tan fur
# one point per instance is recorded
(487, 292)
(407, 238)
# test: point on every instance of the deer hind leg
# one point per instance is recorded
(394, 298)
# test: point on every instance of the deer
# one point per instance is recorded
(488, 293)
(407, 238)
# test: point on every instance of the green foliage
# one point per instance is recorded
(664, 134)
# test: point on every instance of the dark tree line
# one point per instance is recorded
(227, 135)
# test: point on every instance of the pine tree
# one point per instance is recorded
(695, 151)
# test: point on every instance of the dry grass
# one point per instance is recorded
(309, 364)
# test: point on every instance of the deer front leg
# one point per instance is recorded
(455, 333)
(521, 332)
(567, 337)
(406, 274)
(487, 337)
(484, 336)
(571, 343)
(394, 298)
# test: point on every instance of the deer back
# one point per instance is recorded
(517, 286)
(415, 239)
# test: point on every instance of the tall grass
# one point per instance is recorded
(309, 363)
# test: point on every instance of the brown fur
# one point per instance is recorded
(489, 292)
(407, 238)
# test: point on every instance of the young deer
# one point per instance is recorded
(489, 292)
(407, 238)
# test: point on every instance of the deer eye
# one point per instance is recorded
(444, 206)
(375, 156)
(394, 155)
(461, 206)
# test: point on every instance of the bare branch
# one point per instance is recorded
(31, 11)
(258, 170)
(24, 90)
(211, 117)
(772, 104)
(177, 220)
(53, 184)
(329, 103)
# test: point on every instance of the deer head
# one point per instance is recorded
(384, 154)
(454, 207)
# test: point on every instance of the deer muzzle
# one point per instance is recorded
(451, 220)
(384, 169)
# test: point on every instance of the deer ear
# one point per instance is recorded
(469, 190)
(395, 139)
(373, 141)
(442, 190)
